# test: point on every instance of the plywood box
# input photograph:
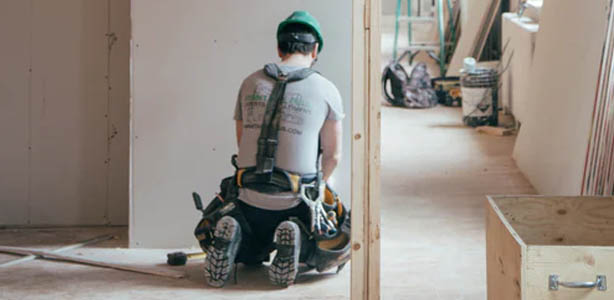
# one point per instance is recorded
(530, 239)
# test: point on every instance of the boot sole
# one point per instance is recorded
(220, 260)
(283, 269)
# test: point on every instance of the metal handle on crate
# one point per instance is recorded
(600, 283)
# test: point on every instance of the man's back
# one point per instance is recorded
(304, 114)
(307, 104)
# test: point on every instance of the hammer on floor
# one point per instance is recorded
(180, 258)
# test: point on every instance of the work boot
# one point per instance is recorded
(284, 268)
(221, 255)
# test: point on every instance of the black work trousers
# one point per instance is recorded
(257, 243)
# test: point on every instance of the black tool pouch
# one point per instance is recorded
(222, 205)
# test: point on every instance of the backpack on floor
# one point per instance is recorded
(411, 91)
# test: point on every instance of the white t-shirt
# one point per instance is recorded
(306, 105)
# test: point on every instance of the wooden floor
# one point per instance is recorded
(435, 174)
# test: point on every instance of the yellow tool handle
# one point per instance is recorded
(197, 255)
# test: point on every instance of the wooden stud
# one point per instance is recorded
(365, 150)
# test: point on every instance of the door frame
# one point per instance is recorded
(366, 116)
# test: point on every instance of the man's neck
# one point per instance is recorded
(297, 60)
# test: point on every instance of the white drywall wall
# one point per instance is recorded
(552, 142)
(58, 165)
(189, 58)
(519, 34)
(14, 90)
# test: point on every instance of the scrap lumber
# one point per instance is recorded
(66, 248)
(498, 131)
(474, 14)
(598, 175)
(485, 27)
(84, 261)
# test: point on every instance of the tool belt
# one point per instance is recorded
(327, 251)
(224, 204)
(277, 181)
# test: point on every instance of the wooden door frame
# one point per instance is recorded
(366, 115)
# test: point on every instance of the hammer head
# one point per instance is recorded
(176, 258)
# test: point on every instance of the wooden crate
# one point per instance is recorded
(530, 238)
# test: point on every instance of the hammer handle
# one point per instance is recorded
(196, 255)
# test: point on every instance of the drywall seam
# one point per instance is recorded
(29, 120)
(111, 130)
(111, 38)
(132, 224)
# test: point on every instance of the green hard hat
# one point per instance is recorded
(305, 18)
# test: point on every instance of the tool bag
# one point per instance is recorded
(330, 250)
(411, 91)
(222, 205)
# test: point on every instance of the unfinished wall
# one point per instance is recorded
(519, 34)
(552, 142)
(189, 58)
(64, 126)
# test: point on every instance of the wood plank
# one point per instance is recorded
(374, 153)
(504, 257)
(561, 220)
(598, 172)
(61, 249)
(90, 262)
(491, 130)
(485, 27)
(359, 262)
(571, 263)
(472, 13)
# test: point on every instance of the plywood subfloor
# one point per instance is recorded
(435, 173)
(43, 279)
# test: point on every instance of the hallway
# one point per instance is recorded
(435, 175)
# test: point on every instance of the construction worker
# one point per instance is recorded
(288, 129)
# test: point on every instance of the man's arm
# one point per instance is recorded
(330, 140)
(239, 130)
